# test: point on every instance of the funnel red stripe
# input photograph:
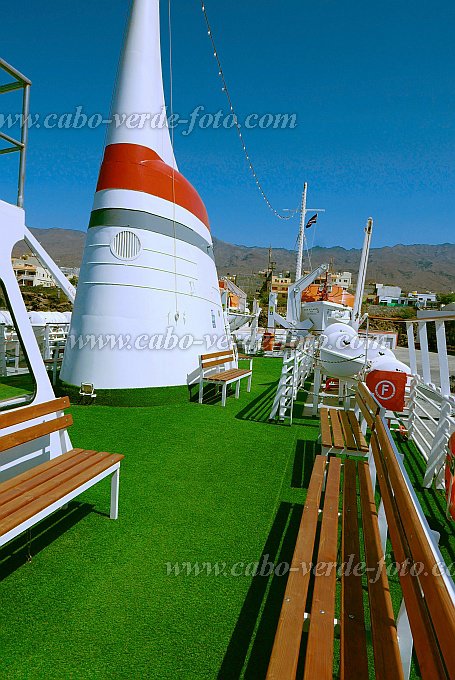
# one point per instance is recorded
(138, 168)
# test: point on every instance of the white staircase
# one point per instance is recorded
(297, 366)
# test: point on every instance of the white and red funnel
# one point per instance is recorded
(148, 271)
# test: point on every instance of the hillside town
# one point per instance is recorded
(337, 286)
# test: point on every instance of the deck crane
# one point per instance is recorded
(292, 320)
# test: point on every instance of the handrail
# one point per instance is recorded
(14, 72)
(429, 535)
(21, 82)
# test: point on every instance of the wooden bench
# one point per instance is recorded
(29, 497)
(213, 370)
(341, 431)
(341, 496)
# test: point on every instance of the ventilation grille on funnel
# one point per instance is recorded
(126, 245)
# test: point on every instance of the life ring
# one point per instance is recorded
(450, 477)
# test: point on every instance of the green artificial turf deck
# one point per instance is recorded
(198, 484)
(16, 386)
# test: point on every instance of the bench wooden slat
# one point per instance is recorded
(337, 432)
(38, 504)
(387, 658)
(367, 397)
(28, 434)
(319, 656)
(437, 597)
(216, 355)
(353, 653)
(361, 442)
(228, 375)
(425, 643)
(215, 363)
(29, 492)
(24, 476)
(349, 438)
(286, 647)
(326, 435)
(40, 474)
(22, 415)
(365, 411)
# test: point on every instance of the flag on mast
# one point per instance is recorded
(311, 221)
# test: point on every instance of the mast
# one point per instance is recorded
(357, 309)
(298, 266)
(302, 238)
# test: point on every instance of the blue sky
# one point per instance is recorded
(371, 84)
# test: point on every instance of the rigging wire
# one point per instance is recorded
(292, 213)
(171, 103)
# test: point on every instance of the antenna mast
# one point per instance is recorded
(302, 238)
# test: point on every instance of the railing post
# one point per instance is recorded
(23, 151)
(443, 358)
(2, 350)
(438, 448)
(411, 347)
(412, 404)
(47, 342)
(316, 388)
(423, 339)
(405, 641)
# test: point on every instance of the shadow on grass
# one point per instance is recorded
(212, 393)
(302, 398)
(248, 653)
(259, 408)
(15, 554)
(305, 453)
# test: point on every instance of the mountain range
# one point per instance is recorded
(413, 267)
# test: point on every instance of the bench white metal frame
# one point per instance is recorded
(221, 368)
(33, 495)
(114, 471)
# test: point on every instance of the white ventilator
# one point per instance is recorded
(148, 302)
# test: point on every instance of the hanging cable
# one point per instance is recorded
(295, 211)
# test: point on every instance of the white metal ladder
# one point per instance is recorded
(297, 365)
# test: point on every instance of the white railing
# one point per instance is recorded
(423, 367)
(431, 417)
(51, 339)
(55, 336)
(297, 366)
(431, 421)
(405, 634)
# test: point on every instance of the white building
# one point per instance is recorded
(342, 279)
(70, 271)
(385, 292)
(30, 273)
(416, 299)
